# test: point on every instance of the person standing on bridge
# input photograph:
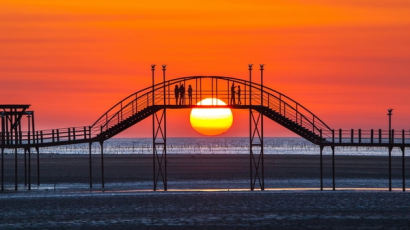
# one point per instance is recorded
(190, 94)
(182, 94)
(239, 95)
(233, 94)
(176, 92)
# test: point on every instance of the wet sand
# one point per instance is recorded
(206, 210)
(207, 192)
(59, 168)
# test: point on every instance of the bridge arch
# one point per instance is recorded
(271, 103)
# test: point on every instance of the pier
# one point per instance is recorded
(18, 129)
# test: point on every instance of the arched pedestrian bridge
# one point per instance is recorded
(260, 100)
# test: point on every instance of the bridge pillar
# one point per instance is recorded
(102, 165)
(25, 166)
(333, 160)
(390, 148)
(38, 166)
(333, 168)
(15, 170)
(403, 158)
(2, 169)
(403, 167)
(90, 169)
(321, 167)
(29, 168)
(159, 140)
(256, 153)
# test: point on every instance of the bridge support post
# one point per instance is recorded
(38, 166)
(403, 159)
(25, 166)
(159, 140)
(321, 167)
(15, 170)
(90, 175)
(2, 169)
(403, 168)
(256, 153)
(390, 184)
(333, 160)
(333, 168)
(29, 168)
(102, 165)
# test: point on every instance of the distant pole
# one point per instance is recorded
(389, 113)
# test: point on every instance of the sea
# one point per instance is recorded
(215, 145)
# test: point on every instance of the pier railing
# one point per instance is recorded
(368, 137)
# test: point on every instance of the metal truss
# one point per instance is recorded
(256, 158)
(159, 139)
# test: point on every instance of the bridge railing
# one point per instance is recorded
(293, 114)
(251, 93)
(205, 87)
(202, 87)
(49, 136)
(369, 136)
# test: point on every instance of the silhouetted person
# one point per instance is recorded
(182, 94)
(233, 94)
(176, 92)
(239, 95)
(190, 94)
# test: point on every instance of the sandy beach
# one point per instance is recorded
(206, 192)
(61, 168)
(206, 210)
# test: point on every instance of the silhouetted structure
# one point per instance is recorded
(12, 136)
(233, 94)
(239, 95)
(182, 94)
(261, 101)
(176, 93)
(190, 94)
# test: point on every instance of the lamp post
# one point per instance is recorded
(389, 113)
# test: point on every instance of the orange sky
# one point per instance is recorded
(347, 60)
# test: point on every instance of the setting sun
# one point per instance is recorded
(211, 121)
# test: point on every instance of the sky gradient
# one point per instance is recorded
(347, 61)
